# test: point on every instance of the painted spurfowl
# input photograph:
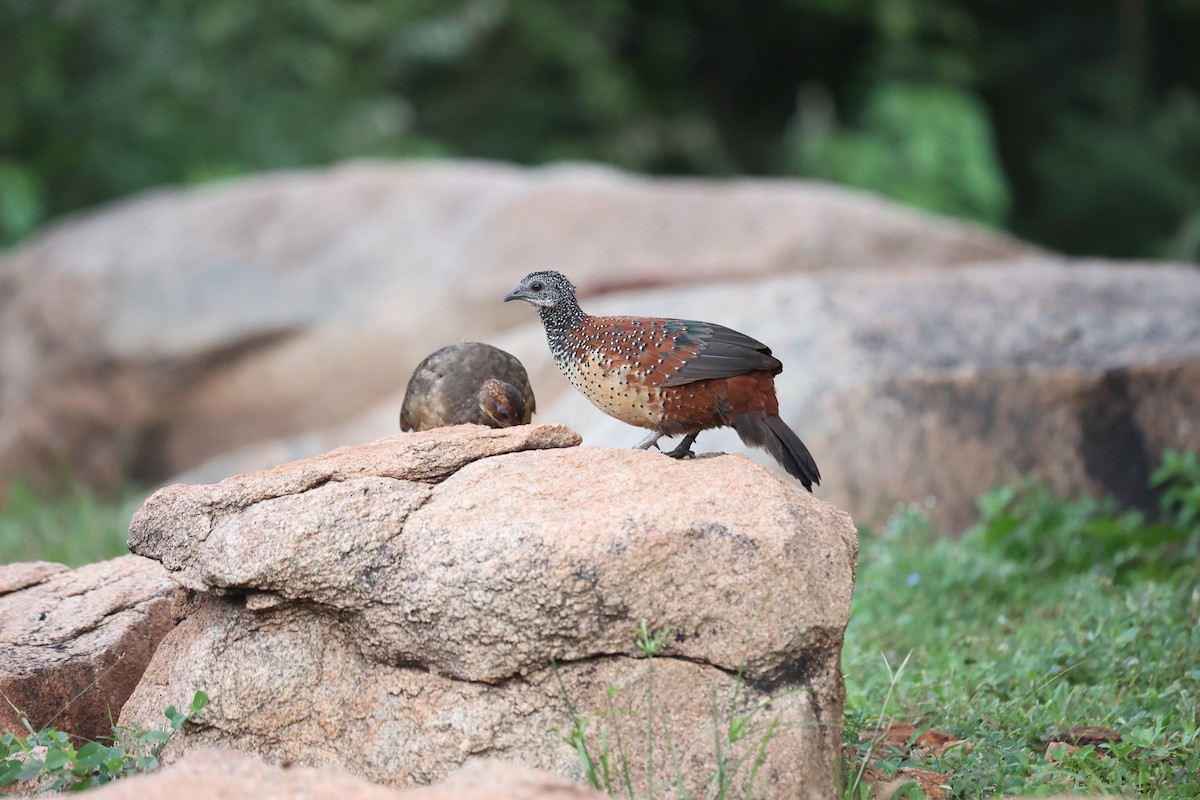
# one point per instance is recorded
(469, 382)
(673, 376)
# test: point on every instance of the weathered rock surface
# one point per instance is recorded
(74, 643)
(934, 385)
(27, 573)
(395, 608)
(160, 332)
(231, 775)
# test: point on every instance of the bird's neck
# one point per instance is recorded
(561, 318)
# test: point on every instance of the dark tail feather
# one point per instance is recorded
(773, 435)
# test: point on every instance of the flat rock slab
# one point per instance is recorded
(233, 775)
(74, 643)
(14, 577)
(932, 386)
(137, 337)
(395, 620)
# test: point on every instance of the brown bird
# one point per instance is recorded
(465, 383)
(673, 376)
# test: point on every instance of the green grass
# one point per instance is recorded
(1046, 615)
(70, 525)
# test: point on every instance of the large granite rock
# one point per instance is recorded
(157, 333)
(394, 608)
(74, 643)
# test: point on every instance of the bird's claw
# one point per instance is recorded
(684, 448)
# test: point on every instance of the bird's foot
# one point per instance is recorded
(684, 448)
(648, 442)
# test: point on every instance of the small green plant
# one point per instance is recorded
(607, 767)
(853, 785)
(1178, 481)
(49, 760)
(651, 644)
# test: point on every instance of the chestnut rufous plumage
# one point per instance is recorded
(467, 383)
(673, 376)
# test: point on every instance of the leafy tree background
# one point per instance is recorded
(1074, 123)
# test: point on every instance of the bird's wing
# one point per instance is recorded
(705, 351)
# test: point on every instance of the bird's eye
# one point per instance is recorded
(536, 286)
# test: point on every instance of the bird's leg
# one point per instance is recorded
(648, 442)
(684, 448)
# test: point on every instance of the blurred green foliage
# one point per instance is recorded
(1075, 124)
(64, 522)
(930, 146)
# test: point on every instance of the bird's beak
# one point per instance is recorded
(515, 294)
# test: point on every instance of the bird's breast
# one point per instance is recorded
(614, 386)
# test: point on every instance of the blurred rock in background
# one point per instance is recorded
(151, 336)
(215, 331)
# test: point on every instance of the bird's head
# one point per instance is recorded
(544, 290)
(502, 403)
